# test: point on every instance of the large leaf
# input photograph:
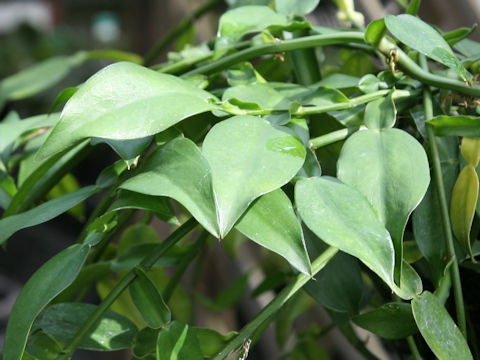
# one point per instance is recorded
(125, 101)
(428, 42)
(148, 301)
(294, 7)
(342, 217)
(390, 168)
(271, 222)
(236, 23)
(44, 212)
(38, 77)
(47, 282)
(456, 125)
(178, 341)
(248, 158)
(390, 321)
(438, 328)
(178, 170)
(112, 332)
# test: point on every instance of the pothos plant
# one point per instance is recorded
(316, 143)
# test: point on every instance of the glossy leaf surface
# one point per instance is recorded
(125, 101)
(390, 321)
(62, 321)
(271, 222)
(248, 158)
(390, 168)
(438, 329)
(47, 282)
(148, 301)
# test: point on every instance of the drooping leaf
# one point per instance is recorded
(236, 23)
(62, 321)
(463, 205)
(178, 170)
(430, 43)
(125, 101)
(47, 282)
(271, 222)
(390, 321)
(293, 7)
(248, 158)
(44, 212)
(438, 329)
(456, 125)
(390, 168)
(178, 341)
(126, 149)
(148, 301)
(39, 76)
(381, 113)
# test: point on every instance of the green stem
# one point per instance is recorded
(178, 29)
(437, 172)
(332, 137)
(305, 63)
(275, 305)
(411, 68)
(123, 284)
(182, 266)
(413, 348)
(286, 45)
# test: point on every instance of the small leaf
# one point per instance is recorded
(112, 332)
(62, 97)
(44, 212)
(390, 321)
(293, 7)
(178, 341)
(376, 30)
(211, 342)
(430, 43)
(43, 347)
(249, 151)
(126, 149)
(369, 83)
(456, 125)
(143, 103)
(271, 222)
(471, 150)
(264, 95)
(145, 342)
(438, 328)
(457, 35)
(413, 7)
(463, 204)
(148, 301)
(47, 282)
(381, 113)
(178, 170)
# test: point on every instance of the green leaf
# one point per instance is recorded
(243, 74)
(413, 7)
(211, 342)
(44, 212)
(62, 97)
(248, 158)
(308, 349)
(67, 185)
(39, 76)
(369, 83)
(438, 328)
(236, 23)
(390, 321)
(114, 55)
(41, 346)
(178, 170)
(457, 35)
(148, 301)
(47, 282)
(178, 341)
(342, 217)
(126, 149)
(456, 125)
(271, 222)
(339, 285)
(338, 81)
(134, 255)
(390, 168)
(145, 342)
(144, 103)
(376, 30)
(381, 113)
(112, 332)
(294, 7)
(463, 204)
(430, 43)
(471, 150)
(264, 95)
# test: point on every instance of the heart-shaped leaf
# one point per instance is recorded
(125, 101)
(271, 222)
(390, 168)
(47, 282)
(248, 158)
(438, 328)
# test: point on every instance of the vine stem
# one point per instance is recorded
(413, 348)
(276, 304)
(123, 284)
(437, 172)
(178, 29)
(332, 137)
